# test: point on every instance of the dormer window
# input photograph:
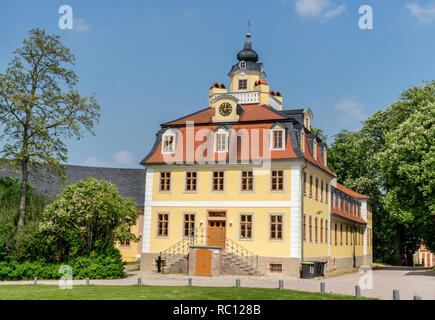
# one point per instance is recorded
(277, 139)
(243, 84)
(168, 143)
(221, 141)
(315, 150)
(303, 140)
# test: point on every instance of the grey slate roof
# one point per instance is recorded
(130, 182)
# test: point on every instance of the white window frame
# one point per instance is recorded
(217, 133)
(272, 132)
(167, 135)
(247, 84)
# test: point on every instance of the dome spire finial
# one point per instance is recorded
(247, 53)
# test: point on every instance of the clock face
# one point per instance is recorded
(225, 109)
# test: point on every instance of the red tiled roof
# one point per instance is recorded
(251, 112)
(347, 215)
(351, 193)
(186, 153)
(319, 162)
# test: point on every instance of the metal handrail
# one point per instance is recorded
(202, 237)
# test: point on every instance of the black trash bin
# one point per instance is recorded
(307, 270)
(319, 268)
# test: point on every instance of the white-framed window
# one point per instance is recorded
(168, 143)
(242, 84)
(221, 141)
(277, 139)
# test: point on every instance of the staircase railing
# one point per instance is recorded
(202, 237)
(175, 251)
(244, 255)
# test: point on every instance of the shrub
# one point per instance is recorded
(107, 266)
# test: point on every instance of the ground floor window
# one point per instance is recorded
(162, 224)
(275, 267)
(189, 225)
(245, 226)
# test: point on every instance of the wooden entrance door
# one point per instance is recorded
(203, 262)
(216, 233)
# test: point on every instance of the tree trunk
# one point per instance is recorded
(398, 247)
(24, 180)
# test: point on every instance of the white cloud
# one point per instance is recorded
(423, 14)
(319, 9)
(351, 111)
(123, 158)
(80, 25)
(92, 162)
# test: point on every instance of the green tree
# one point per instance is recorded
(39, 107)
(88, 217)
(320, 133)
(408, 166)
(361, 161)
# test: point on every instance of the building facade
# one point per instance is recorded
(243, 186)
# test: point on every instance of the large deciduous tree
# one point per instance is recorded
(39, 107)
(391, 159)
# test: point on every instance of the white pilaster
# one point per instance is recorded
(146, 235)
(295, 212)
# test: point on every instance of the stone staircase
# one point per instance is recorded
(179, 264)
(233, 264)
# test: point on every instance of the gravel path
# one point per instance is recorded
(409, 281)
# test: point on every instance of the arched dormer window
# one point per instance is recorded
(277, 138)
(221, 140)
(168, 141)
(303, 140)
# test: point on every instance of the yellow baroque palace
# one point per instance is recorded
(243, 187)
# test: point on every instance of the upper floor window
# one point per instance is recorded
(168, 145)
(218, 181)
(321, 190)
(311, 185)
(277, 180)
(277, 139)
(243, 84)
(327, 193)
(305, 182)
(191, 181)
(165, 181)
(317, 188)
(247, 183)
(221, 141)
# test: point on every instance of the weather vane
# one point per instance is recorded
(249, 25)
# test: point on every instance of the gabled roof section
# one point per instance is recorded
(351, 193)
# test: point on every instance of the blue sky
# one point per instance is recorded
(153, 61)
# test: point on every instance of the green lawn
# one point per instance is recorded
(94, 292)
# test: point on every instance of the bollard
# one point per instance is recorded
(417, 298)
(396, 295)
(189, 282)
(35, 280)
(87, 281)
(281, 284)
(357, 292)
(139, 281)
(237, 282)
(322, 287)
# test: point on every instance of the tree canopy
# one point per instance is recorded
(40, 107)
(391, 159)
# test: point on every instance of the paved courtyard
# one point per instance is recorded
(409, 282)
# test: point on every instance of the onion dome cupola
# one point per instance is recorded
(248, 61)
(248, 54)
